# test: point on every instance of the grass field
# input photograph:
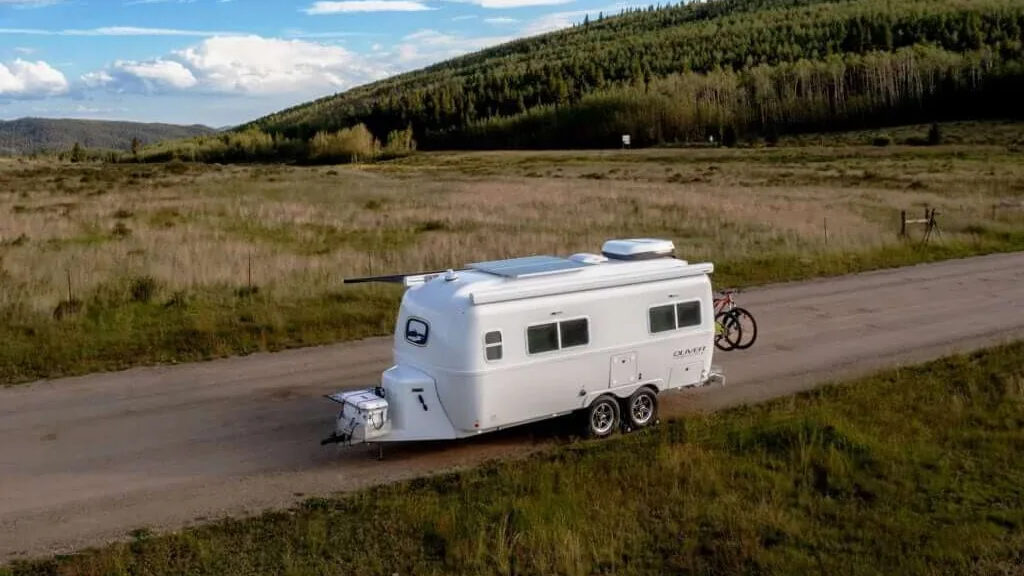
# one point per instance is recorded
(178, 262)
(912, 471)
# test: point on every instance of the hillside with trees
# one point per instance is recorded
(724, 69)
(40, 135)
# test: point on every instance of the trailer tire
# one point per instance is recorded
(641, 408)
(602, 417)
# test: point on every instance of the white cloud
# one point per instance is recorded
(429, 46)
(152, 76)
(501, 20)
(116, 31)
(24, 50)
(501, 4)
(366, 6)
(22, 79)
(242, 65)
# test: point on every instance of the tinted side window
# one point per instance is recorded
(688, 314)
(574, 332)
(662, 318)
(543, 338)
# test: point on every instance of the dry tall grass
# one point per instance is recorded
(195, 227)
(158, 256)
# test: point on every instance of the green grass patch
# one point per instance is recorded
(910, 471)
(788, 268)
(118, 327)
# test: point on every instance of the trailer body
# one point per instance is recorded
(508, 342)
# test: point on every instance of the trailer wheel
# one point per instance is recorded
(602, 417)
(642, 408)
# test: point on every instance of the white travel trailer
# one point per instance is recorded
(508, 342)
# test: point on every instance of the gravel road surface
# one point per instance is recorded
(85, 460)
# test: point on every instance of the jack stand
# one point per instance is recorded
(380, 452)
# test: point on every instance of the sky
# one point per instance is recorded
(225, 62)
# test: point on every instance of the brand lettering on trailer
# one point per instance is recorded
(698, 351)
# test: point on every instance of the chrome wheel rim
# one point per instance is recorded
(602, 418)
(641, 409)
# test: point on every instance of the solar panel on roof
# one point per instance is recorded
(528, 266)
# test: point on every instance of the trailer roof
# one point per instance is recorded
(536, 276)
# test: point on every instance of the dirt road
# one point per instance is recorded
(83, 460)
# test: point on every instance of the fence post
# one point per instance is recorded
(931, 224)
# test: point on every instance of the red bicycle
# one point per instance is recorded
(728, 321)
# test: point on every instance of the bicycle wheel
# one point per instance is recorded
(739, 315)
(728, 331)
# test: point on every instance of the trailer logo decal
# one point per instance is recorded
(416, 331)
(698, 351)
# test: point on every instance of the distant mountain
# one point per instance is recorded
(26, 135)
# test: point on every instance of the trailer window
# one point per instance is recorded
(558, 335)
(574, 332)
(542, 338)
(492, 345)
(688, 314)
(662, 318)
(416, 331)
(674, 316)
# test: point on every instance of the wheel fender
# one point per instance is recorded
(621, 393)
(595, 396)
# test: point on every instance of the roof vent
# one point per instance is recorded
(587, 258)
(638, 249)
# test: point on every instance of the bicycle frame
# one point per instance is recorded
(726, 302)
(723, 303)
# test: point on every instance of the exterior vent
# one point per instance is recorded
(638, 249)
(587, 258)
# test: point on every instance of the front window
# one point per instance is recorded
(417, 331)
